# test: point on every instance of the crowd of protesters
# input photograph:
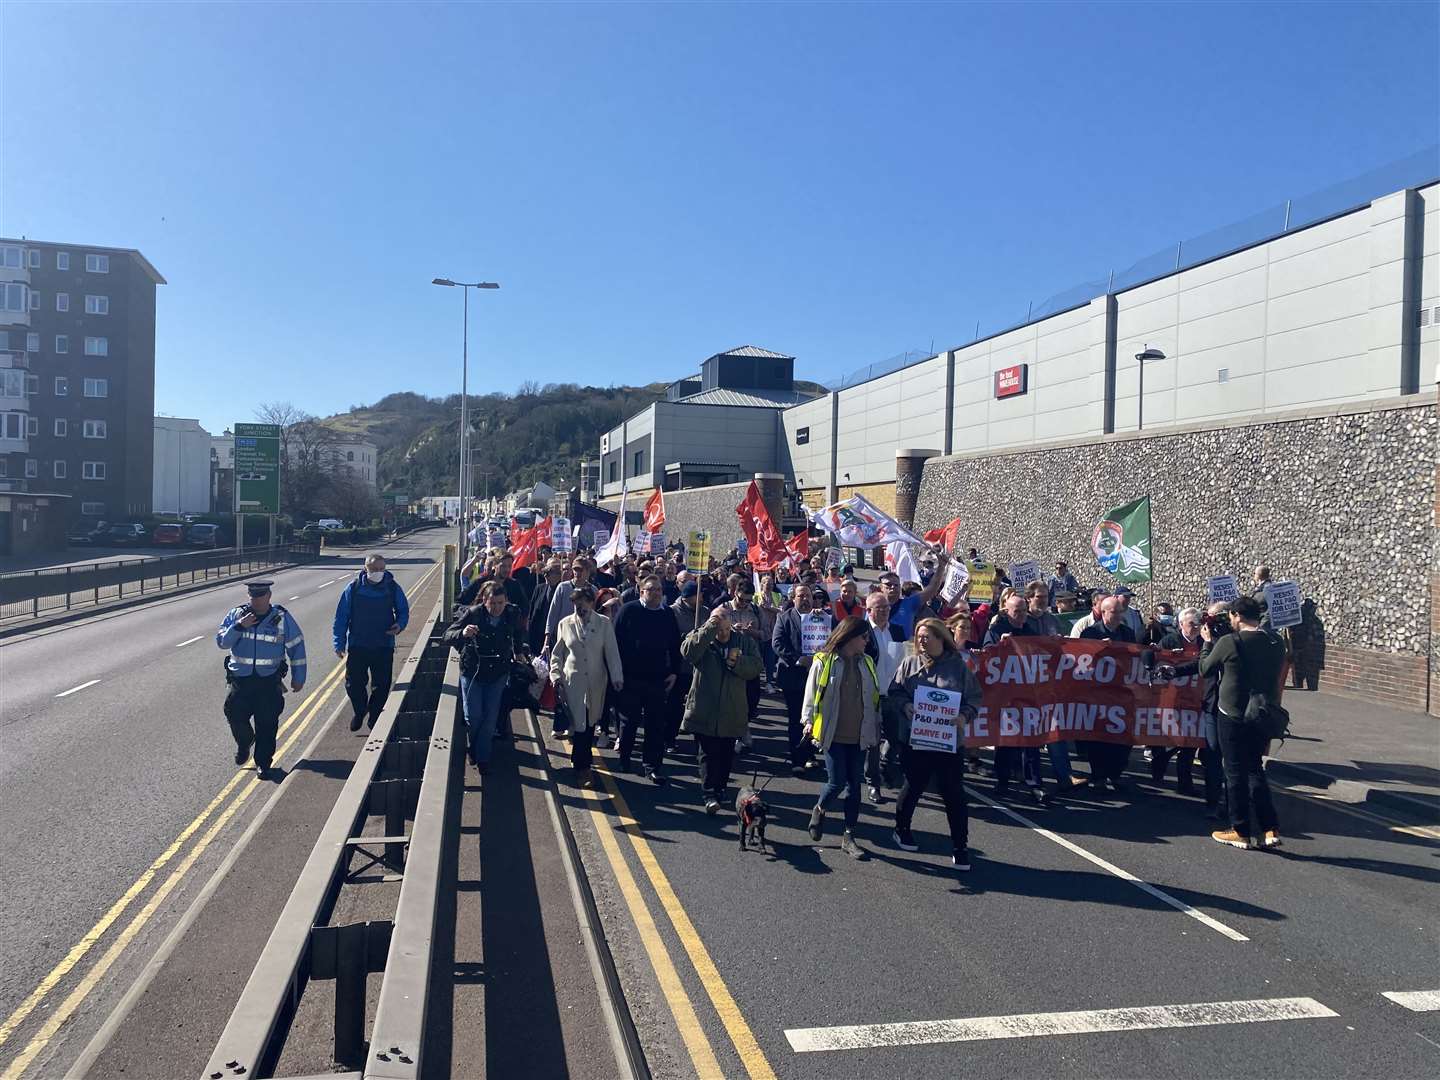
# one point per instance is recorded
(641, 651)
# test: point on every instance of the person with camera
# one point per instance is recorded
(259, 636)
(1250, 663)
(717, 709)
(489, 637)
(583, 663)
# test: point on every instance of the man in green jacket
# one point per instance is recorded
(717, 710)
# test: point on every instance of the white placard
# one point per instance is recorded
(814, 631)
(1022, 573)
(600, 539)
(1221, 589)
(657, 543)
(495, 539)
(560, 534)
(1282, 603)
(833, 557)
(936, 723)
(956, 578)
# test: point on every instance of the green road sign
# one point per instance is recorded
(257, 468)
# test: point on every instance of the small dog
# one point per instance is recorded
(751, 811)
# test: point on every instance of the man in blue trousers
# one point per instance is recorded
(371, 613)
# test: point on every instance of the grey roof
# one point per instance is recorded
(755, 350)
(702, 465)
(762, 399)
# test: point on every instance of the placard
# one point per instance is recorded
(982, 581)
(1022, 573)
(1221, 589)
(814, 632)
(495, 538)
(697, 552)
(936, 723)
(833, 557)
(599, 538)
(956, 577)
(560, 534)
(1282, 604)
(742, 546)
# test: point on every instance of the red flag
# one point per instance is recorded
(543, 529)
(525, 548)
(654, 512)
(766, 548)
(946, 535)
(799, 546)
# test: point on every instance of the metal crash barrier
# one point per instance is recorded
(407, 772)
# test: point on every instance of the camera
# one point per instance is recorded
(1219, 624)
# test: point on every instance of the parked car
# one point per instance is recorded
(331, 523)
(127, 534)
(311, 532)
(203, 534)
(87, 532)
(168, 534)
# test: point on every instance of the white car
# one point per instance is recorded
(330, 523)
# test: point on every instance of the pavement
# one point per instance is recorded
(121, 798)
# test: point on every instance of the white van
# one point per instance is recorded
(330, 523)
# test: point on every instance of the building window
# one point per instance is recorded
(62, 260)
(4, 466)
(32, 425)
(34, 300)
(97, 387)
(12, 382)
(62, 343)
(12, 425)
(97, 305)
(62, 301)
(92, 509)
(350, 456)
(59, 469)
(34, 259)
(97, 346)
(637, 464)
(10, 257)
(94, 429)
(92, 470)
(4, 339)
(32, 385)
(614, 472)
(62, 428)
(62, 385)
(32, 342)
(32, 468)
(97, 264)
(14, 296)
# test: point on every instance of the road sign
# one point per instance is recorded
(257, 468)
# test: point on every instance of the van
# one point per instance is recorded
(330, 523)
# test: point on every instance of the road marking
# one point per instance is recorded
(76, 689)
(1395, 825)
(84, 945)
(751, 1056)
(1028, 1025)
(691, 1031)
(330, 582)
(73, 1000)
(1124, 875)
(189, 641)
(1415, 1000)
(292, 598)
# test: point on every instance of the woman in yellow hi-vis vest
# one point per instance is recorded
(841, 711)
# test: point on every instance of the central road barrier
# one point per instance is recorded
(394, 779)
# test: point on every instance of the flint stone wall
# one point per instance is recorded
(1342, 501)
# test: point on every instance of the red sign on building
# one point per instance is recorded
(1012, 380)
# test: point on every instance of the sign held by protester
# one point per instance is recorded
(982, 581)
(1221, 589)
(1282, 603)
(600, 538)
(560, 534)
(956, 578)
(697, 552)
(936, 723)
(1022, 573)
(814, 632)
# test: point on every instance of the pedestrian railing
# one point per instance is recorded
(409, 770)
(32, 593)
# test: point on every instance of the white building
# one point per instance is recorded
(353, 457)
(181, 468)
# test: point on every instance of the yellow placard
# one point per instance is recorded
(697, 552)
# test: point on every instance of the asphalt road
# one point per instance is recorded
(112, 741)
(768, 948)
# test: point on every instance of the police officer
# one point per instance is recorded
(260, 635)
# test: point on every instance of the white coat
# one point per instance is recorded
(584, 660)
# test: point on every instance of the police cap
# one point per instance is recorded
(259, 588)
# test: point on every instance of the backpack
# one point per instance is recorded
(354, 587)
(1261, 709)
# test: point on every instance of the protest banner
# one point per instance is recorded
(1022, 573)
(814, 631)
(599, 538)
(935, 724)
(560, 534)
(1038, 690)
(1282, 604)
(956, 577)
(1221, 589)
(697, 552)
(983, 580)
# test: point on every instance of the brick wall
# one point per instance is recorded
(1388, 678)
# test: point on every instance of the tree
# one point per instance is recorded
(304, 446)
(351, 499)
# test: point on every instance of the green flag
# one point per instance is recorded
(1121, 541)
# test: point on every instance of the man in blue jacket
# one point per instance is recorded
(371, 613)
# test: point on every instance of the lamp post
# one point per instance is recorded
(464, 401)
(1142, 357)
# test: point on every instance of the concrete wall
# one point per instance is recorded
(181, 467)
(1341, 499)
(673, 431)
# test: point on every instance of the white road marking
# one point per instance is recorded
(292, 598)
(189, 641)
(1124, 875)
(1084, 1022)
(330, 582)
(76, 689)
(1415, 1000)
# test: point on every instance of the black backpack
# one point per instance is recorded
(1262, 707)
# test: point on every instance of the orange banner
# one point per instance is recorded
(1041, 690)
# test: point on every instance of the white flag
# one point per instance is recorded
(899, 559)
(615, 547)
(857, 522)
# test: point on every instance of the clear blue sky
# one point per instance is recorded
(653, 183)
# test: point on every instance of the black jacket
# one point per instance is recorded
(1100, 632)
(785, 635)
(539, 611)
(1245, 660)
(649, 642)
(486, 656)
(1000, 625)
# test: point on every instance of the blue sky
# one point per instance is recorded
(653, 183)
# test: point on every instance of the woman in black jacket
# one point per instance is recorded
(488, 637)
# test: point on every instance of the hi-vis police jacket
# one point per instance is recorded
(260, 649)
(822, 696)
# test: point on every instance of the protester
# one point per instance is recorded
(848, 605)
(583, 662)
(1186, 635)
(1128, 614)
(886, 645)
(370, 613)
(488, 637)
(904, 610)
(582, 569)
(745, 618)
(649, 642)
(1160, 625)
(689, 615)
(842, 714)
(1044, 622)
(793, 660)
(1037, 600)
(936, 663)
(499, 572)
(1061, 581)
(540, 601)
(1013, 622)
(1086, 621)
(717, 709)
(1108, 760)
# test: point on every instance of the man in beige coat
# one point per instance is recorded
(583, 660)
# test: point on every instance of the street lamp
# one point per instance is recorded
(1143, 357)
(464, 399)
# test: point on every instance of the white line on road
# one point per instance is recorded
(292, 598)
(1124, 875)
(77, 689)
(1415, 1000)
(189, 641)
(1084, 1022)
(330, 582)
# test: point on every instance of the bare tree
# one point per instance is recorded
(304, 450)
(351, 499)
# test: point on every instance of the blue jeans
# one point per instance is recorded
(844, 768)
(482, 708)
(1060, 761)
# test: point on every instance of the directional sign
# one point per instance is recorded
(257, 468)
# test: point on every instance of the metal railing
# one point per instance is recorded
(391, 779)
(32, 593)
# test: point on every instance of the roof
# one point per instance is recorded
(761, 399)
(702, 465)
(755, 350)
(145, 263)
